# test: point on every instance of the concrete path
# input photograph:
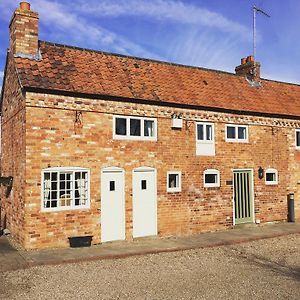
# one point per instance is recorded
(13, 259)
(10, 258)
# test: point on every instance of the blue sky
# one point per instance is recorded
(207, 33)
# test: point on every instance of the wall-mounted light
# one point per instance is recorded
(260, 173)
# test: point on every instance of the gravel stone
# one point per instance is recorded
(264, 269)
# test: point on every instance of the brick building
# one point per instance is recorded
(120, 147)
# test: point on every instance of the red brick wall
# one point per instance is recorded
(13, 154)
(52, 140)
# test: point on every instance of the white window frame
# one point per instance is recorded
(214, 172)
(73, 206)
(205, 141)
(205, 147)
(236, 139)
(297, 146)
(130, 137)
(174, 189)
(271, 170)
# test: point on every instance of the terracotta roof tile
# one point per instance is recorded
(85, 71)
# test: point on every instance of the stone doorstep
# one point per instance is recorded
(123, 249)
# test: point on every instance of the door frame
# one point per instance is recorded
(112, 170)
(252, 197)
(146, 169)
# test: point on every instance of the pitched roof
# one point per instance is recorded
(77, 70)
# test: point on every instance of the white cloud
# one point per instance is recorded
(62, 21)
(1, 75)
(167, 10)
(58, 16)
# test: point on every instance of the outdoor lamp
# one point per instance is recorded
(260, 173)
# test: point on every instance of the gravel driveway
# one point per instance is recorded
(265, 269)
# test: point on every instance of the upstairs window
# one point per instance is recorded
(297, 142)
(134, 128)
(205, 144)
(271, 176)
(236, 133)
(211, 178)
(174, 181)
(65, 188)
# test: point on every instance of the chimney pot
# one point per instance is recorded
(250, 58)
(243, 60)
(24, 5)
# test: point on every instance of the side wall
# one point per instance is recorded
(13, 154)
(53, 139)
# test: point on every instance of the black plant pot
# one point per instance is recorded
(80, 241)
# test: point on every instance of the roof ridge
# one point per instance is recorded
(159, 61)
(138, 58)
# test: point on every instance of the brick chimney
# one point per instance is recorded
(246, 68)
(24, 32)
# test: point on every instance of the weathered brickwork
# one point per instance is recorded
(42, 130)
(52, 139)
(24, 32)
(13, 154)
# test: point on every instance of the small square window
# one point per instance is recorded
(144, 184)
(236, 133)
(271, 177)
(211, 178)
(112, 186)
(174, 182)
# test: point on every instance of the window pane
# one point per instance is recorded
(144, 184)
(211, 178)
(270, 176)
(148, 128)
(112, 186)
(209, 132)
(173, 180)
(80, 188)
(200, 132)
(242, 133)
(135, 127)
(298, 138)
(230, 132)
(120, 126)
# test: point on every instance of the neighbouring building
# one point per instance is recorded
(120, 147)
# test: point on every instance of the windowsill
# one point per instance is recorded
(63, 209)
(236, 141)
(173, 191)
(271, 183)
(135, 138)
(211, 186)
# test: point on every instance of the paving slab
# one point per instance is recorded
(10, 258)
(157, 245)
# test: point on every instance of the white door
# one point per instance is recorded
(112, 205)
(144, 202)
